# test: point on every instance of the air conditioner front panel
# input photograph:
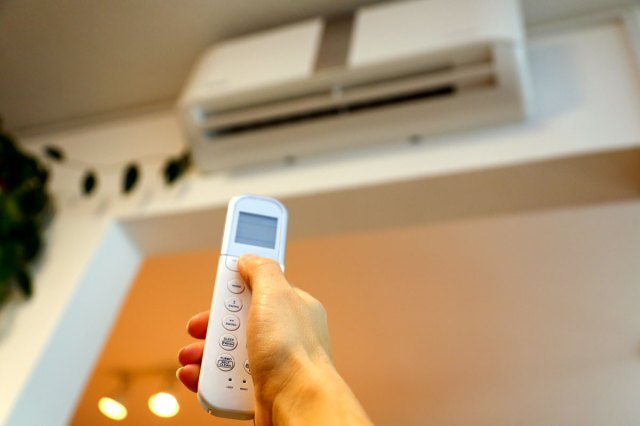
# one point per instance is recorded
(252, 63)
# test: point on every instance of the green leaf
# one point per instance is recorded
(54, 153)
(132, 172)
(30, 241)
(23, 279)
(9, 260)
(171, 171)
(174, 168)
(4, 292)
(89, 182)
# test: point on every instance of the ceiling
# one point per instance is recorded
(71, 62)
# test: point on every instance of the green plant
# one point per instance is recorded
(25, 206)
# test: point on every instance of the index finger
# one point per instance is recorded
(197, 325)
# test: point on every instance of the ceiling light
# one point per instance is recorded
(112, 408)
(163, 404)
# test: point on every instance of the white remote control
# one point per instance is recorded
(255, 225)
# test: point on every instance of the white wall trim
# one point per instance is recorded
(51, 390)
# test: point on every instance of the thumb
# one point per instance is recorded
(261, 273)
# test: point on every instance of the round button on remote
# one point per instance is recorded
(225, 362)
(232, 263)
(235, 286)
(231, 322)
(234, 304)
(247, 367)
(228, 342)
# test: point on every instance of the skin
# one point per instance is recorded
(288, 342)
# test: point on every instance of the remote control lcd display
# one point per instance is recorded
(256, 230)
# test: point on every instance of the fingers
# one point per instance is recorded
(189, 375)
(191, 354)
(197, 325)
(259, 272)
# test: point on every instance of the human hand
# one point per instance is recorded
(287, 337)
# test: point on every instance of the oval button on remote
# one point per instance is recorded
(232, 263)
(235, 286)
(228, 342)
(234, 304)
(231, 322)
(225, 362)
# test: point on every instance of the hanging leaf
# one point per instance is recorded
(23, 279)
(130, 178)
(54, 153)
(171, 171)
(31, 241)
(31, 197)
(89, 182)
(4, 293)
(9, 260)
(176, 167)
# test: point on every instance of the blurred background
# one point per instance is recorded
(474, 240)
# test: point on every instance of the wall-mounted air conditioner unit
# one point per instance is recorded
(380, 74)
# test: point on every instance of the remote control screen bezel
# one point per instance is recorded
(259, 206)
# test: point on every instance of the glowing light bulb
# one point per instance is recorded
(164, 404)
(112, 408)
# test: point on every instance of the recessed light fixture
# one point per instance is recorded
(112, 408)
(112, 405)
(163, 404)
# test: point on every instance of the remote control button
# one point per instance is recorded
(247, 367)
(232, 263)
(225, 362)
(228, 342)
(234, 304)
(236, 286)
(231, 322)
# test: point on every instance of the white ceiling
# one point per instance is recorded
(62, 62)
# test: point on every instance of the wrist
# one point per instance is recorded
(316, 394)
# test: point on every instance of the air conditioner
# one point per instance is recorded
(380, 74)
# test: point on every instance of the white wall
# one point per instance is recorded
(588, 101)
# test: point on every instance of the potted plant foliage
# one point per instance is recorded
(24, 208)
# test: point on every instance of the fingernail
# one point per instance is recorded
(178, 373)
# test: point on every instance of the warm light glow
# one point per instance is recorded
(164, 404)
(112, 408)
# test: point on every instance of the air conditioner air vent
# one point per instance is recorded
(333, 111)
